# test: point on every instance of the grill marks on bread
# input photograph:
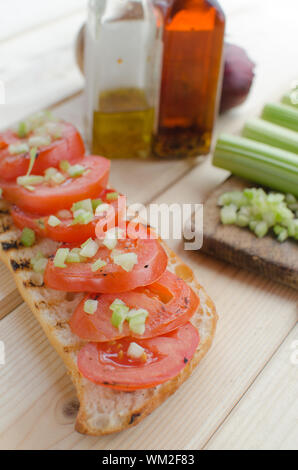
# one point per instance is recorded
(5, 224)
(101, 410)
(10, 245)
(20, 265)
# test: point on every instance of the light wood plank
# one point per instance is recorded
(39, 68)
(9, 295)
(255, 315)
(251, 326)
(267, 416)
(34, 15)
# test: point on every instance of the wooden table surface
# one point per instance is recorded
(244, 393)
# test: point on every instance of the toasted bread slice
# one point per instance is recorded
(102, 410)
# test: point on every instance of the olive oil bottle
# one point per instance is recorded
(123, 126)
(123, 66)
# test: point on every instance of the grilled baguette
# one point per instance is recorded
(102, 410)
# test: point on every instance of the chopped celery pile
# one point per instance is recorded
(261, 212)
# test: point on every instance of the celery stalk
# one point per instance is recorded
(271, 134)
(258, 162)
(281, 114)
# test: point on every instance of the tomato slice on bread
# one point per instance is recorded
(109, 364)
(170, 303)
(46, 199)
(66, 231)
(69, 146)
(79, 277)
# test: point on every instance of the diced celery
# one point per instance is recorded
(75, 171)
(86, 205)
(112, 196)
(82, 217)
(23, 129)
(15, 149)
(39, 141)
(73, 257)
(27, 237)
(292, 227)
(96, 203)
(125, 260)
(137, 320)
(137, 325)
(39, 255)
(89, 249)
(60, 257)
(64, 165)
(58, 178)
(137, 312)
(49, 172)
(53, 129)
(252, 225)
(261, 229)
(119, 314)
(135, 350)
(111, 237)
(90, 306)
(39, 119)
(236, 198)
(228, 214)
(30, 180)
(242, 220)
(98, 264)
(53, 221)
(281, 232)
(39, 265)
(262, 212)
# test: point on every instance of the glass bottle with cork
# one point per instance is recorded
(191, 76)
(122, 68)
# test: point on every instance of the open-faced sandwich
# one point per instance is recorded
(127, 317)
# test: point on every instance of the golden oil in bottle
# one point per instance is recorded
(123, 127)
(123, 56)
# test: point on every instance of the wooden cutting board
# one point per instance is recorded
(239, 246)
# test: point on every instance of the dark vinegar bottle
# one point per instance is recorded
(191, 76)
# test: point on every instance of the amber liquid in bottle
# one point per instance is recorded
(191, 76)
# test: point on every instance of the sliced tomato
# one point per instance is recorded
(23, 219)
(169, 301)
(69, 147)
(46, 199)
(64, 232)
(3, 145)
(165, 356)
(139, 230)
(78, 277)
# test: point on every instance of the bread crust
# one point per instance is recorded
(102, 410)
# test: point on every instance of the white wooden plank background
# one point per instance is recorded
(244, 393)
